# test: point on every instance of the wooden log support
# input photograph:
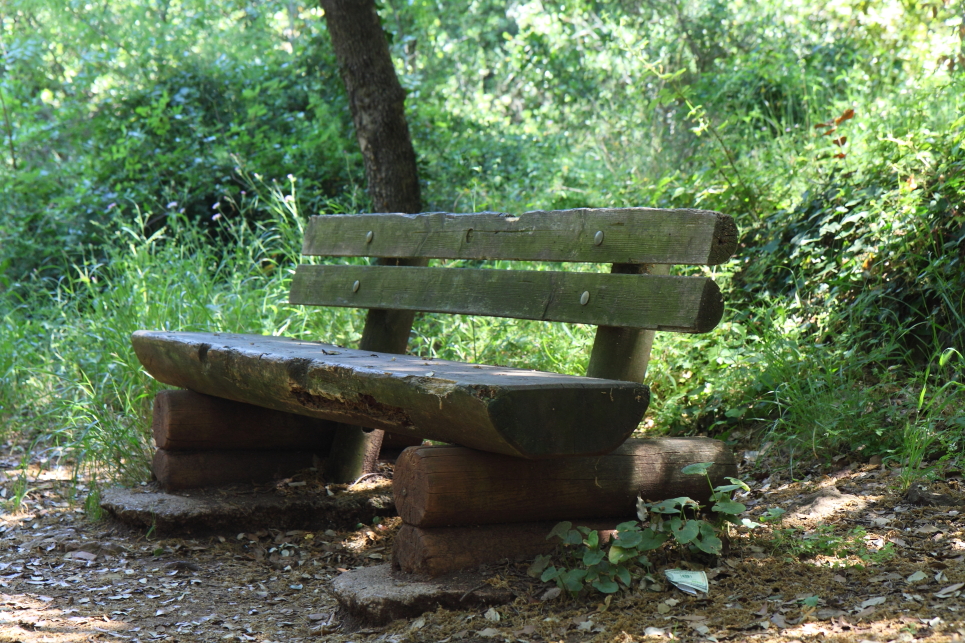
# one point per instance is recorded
(191, 469)
(185, 420)
(442, 486)
(440, 550)
(528, 414)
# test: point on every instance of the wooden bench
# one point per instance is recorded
(515, 413)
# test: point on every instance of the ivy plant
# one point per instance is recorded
(584, 561)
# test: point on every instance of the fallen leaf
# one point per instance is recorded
(871, 602)
(585, 626)
(778, 620)
(492, 615)
(655, 631)
(488, 633)
(418, 624)
(550, 594)
(944, 592)
(663, 608)
(916, 577)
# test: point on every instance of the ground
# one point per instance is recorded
(880, 564)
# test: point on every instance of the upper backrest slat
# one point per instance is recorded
(619, 235)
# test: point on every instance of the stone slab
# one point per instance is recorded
(377, 595)
(246, 507)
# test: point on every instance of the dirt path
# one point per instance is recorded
(882, 566)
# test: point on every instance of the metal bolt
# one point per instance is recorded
(369, 236)
(585, 298)
(355, 286)
(598, 238)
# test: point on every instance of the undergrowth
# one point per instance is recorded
(132, 198)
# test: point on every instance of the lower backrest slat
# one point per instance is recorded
(681, 304)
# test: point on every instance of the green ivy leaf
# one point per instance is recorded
(672, 505)
(573, 579)
(727, 488)
(560, 530)
(628, 539)
(740, 483)
(573, 537)
(624, 575)
(618, 554)
(550, 573)
(652, 539)
(698, 468)
(592, 540)
(686, 532)
(709, 544)
(729, 507)
(630, 525)
(538, 566)
(592, 557)
(606, 586)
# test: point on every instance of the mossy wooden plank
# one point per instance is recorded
(682, 304)
(619, 235)
(516, 412)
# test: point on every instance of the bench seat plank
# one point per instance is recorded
(681, 304)
(516, 412)
(617, 235)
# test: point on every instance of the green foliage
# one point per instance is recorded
(139, 145)
(827, 547)
(584, 561)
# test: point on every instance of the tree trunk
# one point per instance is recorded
(377, 101)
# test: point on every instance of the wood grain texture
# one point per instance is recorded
(442, 486)
(185, 420)
(681, 304)
(629, 235)
(440, 550)
(516, 412)
(192, 469)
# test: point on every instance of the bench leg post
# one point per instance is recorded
(624, 353)
(355, 451)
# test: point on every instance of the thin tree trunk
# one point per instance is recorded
(377, 101)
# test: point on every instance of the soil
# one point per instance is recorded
(66, 577)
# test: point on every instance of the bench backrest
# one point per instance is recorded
(631, 239)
